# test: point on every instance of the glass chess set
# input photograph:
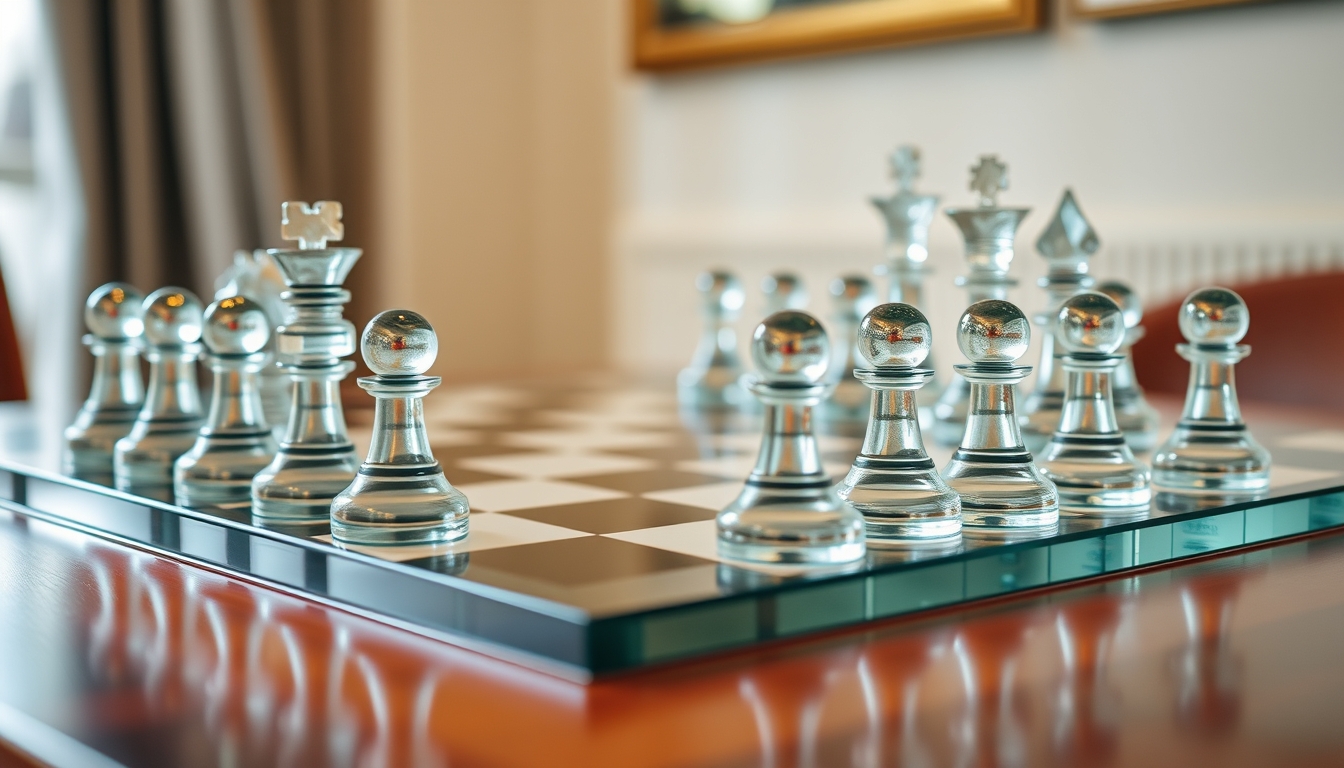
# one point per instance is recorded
(595, 525)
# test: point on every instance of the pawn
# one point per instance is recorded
(893, 482)
(235, 443)
(783, 290)
(788, 511)
(1087, 459)
(852, 297)
(1211, 450)
(400, 495)
(710, 381)
(1137, 419)
(992, 471)
(115, 319)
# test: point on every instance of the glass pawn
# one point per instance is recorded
(992, 471)
(1087, 459)
(847, 405)
(1135, 416)
(710, 381)
(235, 443)
(171, 417)
(1211, 451)
(114, 316)
(400, 495)
(788, 512)
(893, 482)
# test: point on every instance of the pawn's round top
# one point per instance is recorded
(399, 342)
(114, 312)
(236, 326)
(784, 290)
(1214, 316)
(791, 347)
(894, 335)
(723, 291)
(1128, 300)
(173, 317)
(1090, 322)
(853, 295)
(993, 331)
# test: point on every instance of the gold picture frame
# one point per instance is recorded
(1115, 9)
(813, 28)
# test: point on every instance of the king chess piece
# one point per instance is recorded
(400, 495)
(893, 482)
(1137, 419)
(989, 232)
(992, 471)
(711, 380)
(235, 443)
(852, 297)
(788, 512)
(1066, 244)
(171, 416)
(115, 319)
(316, 459)
(1211, 451)
(783, 290)
(1087, 459)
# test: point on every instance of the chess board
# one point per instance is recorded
(592, 545)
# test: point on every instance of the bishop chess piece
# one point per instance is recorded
(989, 231)
(316, 459)
(115, 319)
(235, 443)
(1211, 451)
(400, 495)
(171, 416)
(992, 471)
(788, 511)
(783, 290)
(852, 298)
(1087, 459)
(1137, 419)
(1066, 244)
(711, 380)
(893, 482)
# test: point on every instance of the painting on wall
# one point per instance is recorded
(1103, 9)
(682, 34)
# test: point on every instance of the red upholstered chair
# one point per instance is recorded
(12, 386)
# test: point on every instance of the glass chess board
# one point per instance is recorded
(592, 545)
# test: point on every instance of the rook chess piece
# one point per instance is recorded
(710, 381)
(115, 319)
(783, 290)
(992, 470)
(400, 495)
(1211, 451)
(235, 443)
(788, 511)
(893, 482)
(1137, 419)
(1087, 459)
(852, 298)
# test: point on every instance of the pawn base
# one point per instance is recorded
(1202, 460)
(216, 474)
(1001, 490)
(388, 505)
(297, 488)
(1097, 475)
(143, 461)
(805, 525)
(901, 502)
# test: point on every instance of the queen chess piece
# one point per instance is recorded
(400, 495)
(788, 512)
(235, 443)
(1137, 419)
(1211, 451)
(115, 319)
(783, 290)
(171, 417)
(893, 482)
(999, 483)
(1087, 459)
(711, 380)
(852, 296)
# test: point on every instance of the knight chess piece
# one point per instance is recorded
(400, 495)
(893, 482)
(1211, 451)
(992, 471)
(788, 511)
(115, 319)
(1087, 459)
(316, 459)
(989, 231)
(235, 443)
(1067, 244)
(171, 417)
(711, 380)
(1137, 419)
(783, 290)
(852, 297)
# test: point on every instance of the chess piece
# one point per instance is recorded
(852, 297)
(400, 495)
(316, 459)
(783, 290)
(115, 319)
(171, 416)
(893, 482)
(1087, 459)
(235, 443)
(255, 275)
(989, 232)
(1211, 451)
(992, 471)
(1066, 244)
(788, 511)
(1137, 419)
(711, 380)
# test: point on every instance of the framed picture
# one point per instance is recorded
(1105, 9)
(681, 34)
